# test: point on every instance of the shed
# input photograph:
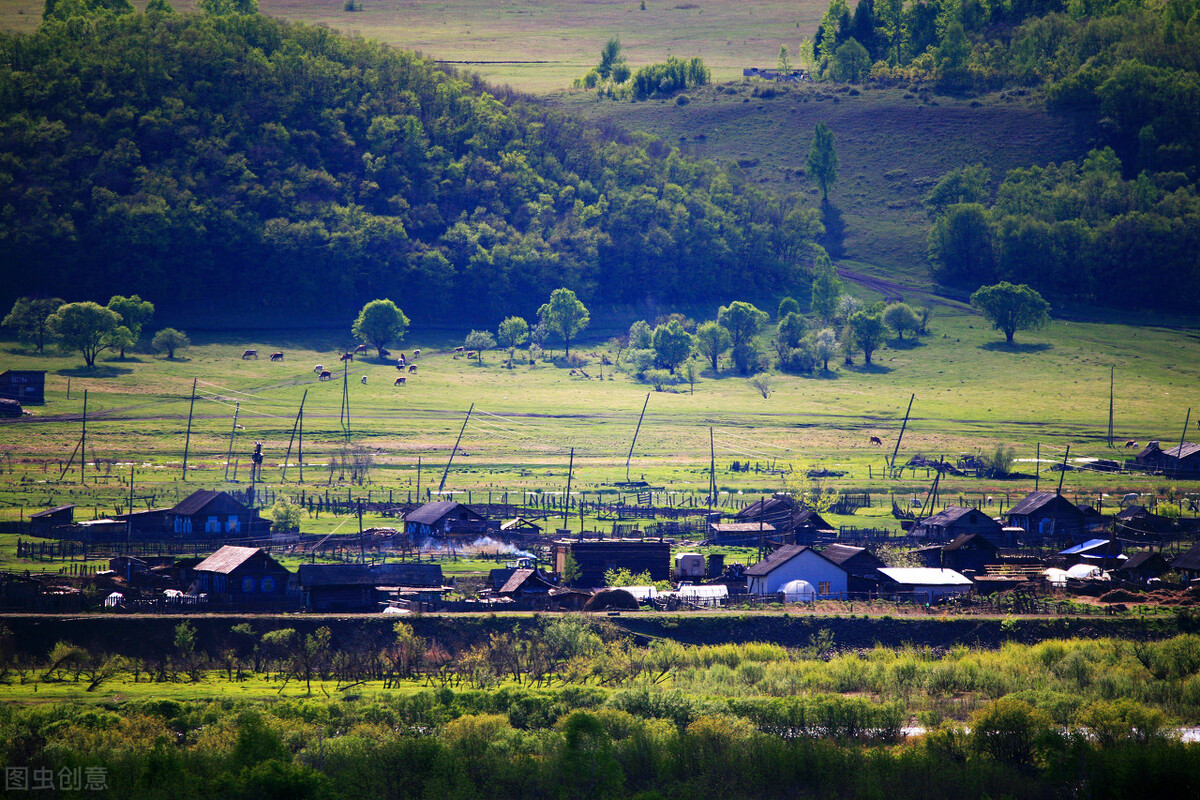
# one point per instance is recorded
(861, 566)
(43, 522)
(362, 587)
(1141, 567)
(792, 520)
(520, 526)
(1188, 562)
(1180, 459)
(924, 584)
(525, 584)
(1048, 515)
(26, 386)
(442, 518)
(739, 533)
(1102, 553)
(972, 551)
(242, 575)
(597, 556)
(796, 562)
(955, 521)
(210, 512)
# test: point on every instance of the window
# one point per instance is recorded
(824, 587)
(218, 583)
(212, 525)
(234, 524)
(248, 584)
(268, 583)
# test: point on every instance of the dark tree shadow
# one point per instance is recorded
(869, 369)
(1016, 347)
(905, 344)
(833, 240)
(125, 360)
(177, 359)
(98, 371)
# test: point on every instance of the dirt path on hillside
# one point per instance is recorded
(895, 292)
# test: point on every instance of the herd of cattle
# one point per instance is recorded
(326, 375)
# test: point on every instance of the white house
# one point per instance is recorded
(795, 562)
(924, 584)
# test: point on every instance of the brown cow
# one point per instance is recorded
(472, 354)
(362, 348)
(459, 349)
(412, 367)
(325, 376)
(250, 354)
(346, 357)
(417, 353)
(876, 440)
(277, 356)
(1131, 443)
(400, 381)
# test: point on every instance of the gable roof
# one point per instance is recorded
(742, 527)
(397, 574)
(195, 502)
(227, 559)
(1035, 501)
(518, 523)
(1137, 560)
(841, 553)
(520, 578)
(780, 557)
(1187, 450)
(947, 515)
(51, 511)
(1189, 560)
(430, 513)
(1088, 546)
(973, 539)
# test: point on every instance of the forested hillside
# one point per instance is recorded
(232, 160)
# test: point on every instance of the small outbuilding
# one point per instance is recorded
(956, 521)
(597, 556)
(443, 518)
(207, 512)
(26, 386)
(923, 584)
(861, 566)
(363, 587)
(970, 551)
(1141, 567)
(43, 522)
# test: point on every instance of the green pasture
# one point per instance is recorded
(972, 394)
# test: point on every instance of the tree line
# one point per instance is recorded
(228, 160)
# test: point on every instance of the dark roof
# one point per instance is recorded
(50, 511)
(1186, 451)
(430, 513)
(197, 500)
(398, 574)
(227, 559)
(1189, 560)
(947, 515)
(1035, 501)
(527, 578)
(779, 558)
(742, 527)
(1149, 449)
(841, 553)
(1134, 512)
(973, 539)
(807, 517)
(1137, 560)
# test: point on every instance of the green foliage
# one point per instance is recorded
(286, 516)
(85, 327)
(822, 164)
(30, 317)
(1011, 308)
(761, 383)
(169, 340)
(960, 245)
(479, 341)
(743, 322)
(712, 339)
(513, 332)
(826, 289)
(121, 339)
(673, 75)
(999, 463)
(610, 58)
(851, 62)
(565, 315)
(786, 306)
(134, 312)
(379, 323)
(672, 345)
(1011, 731)
(900, 317)
(967, 184)
(868, 331)
(641, 335)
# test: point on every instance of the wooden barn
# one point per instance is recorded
(242, 575)
(26, 386)
(1178, 460)
(1048, 515)
(793, 522)
(740, 533)
(597, 556)
(363, 587)
(1141, 567)
(861, 566)
(443, 518)
(970, 551)
(44, 522)
(955, 521)
(208, 512)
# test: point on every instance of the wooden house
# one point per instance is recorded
(970, 551)
(861, 566)
(364, 587)
(1138, 522)
(242, 575)
(1188, 563)
(795, 562)
(1141, 567)
(793, 522)
(1178, 460)
(955, 521)
(206, 512)
(740, 533)
(43, 523)
(597, 556)
(26, 386)
(1048, 515)
(444, 518)
(524, 585)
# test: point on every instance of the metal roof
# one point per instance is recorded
(430, 513)
(781, 557)
(227, 559)
(197, 500)
(1090, 544)
(925, 576)
(398, 574)
(742, 527)
(50, 511)
(968, 538)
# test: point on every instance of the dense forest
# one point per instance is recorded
(1120, 227)
(229, 160)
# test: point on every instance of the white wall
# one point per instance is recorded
(807, 566)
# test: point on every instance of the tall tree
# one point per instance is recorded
(168, 340)
(742, 320)
(826, 289)
(29, 318)
(480, 341)
(823, 160)
(1011, 308)
(711, 341)
(900, 317)
(85, 327)
(868, 331)
(565, 315)
(672, 345)
(380, 323)
(512, 332)
(135, 312)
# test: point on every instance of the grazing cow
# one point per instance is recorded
(384, 353)
(990, 500)
(362, 348)
(412, 367)
(240, 427)
(400, 364)
(400, 381)
(319, 368)
(417, 353)
(346, 357)
(250, 354)
(1129, 498)
(277, 356)
(472, 354)
(459, 349)
(876, 440)
(1131, 443)
(325, 375)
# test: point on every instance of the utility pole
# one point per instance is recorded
(80, 447)
(295, 426)
(712, 472)
(129, 517)
(1112, 374)
(188, 439)
(567, 500)
(344, 416)
(635, 435)
(899, 438)
(1037, 467)
(229, 455)
(455, 450)
(1182, 436)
